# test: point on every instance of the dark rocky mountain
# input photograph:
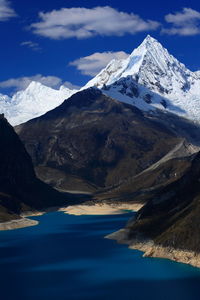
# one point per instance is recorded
(92, 142)
(143, 186)
(167, 226)
(20, 190)
(171, 216)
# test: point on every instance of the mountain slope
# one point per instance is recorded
(20, 190)
(168, 225)
(32, 102)
(143, 186)
(151, 78)
(96, 139)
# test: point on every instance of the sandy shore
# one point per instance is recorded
(22, 222)
(77, 210)
(149, 249)
(101, 209)
(16, 224)
(32, 214)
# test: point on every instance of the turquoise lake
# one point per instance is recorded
(67, 257)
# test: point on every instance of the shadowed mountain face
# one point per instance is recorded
(150, 182)
(20, 190)
(171, 216)
(92, 141)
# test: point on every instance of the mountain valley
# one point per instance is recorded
(130, 135)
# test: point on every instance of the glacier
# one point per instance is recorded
(34, 101)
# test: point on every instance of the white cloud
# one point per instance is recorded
(32, 45)
(88, 22)
(186, 22)
(71, 86)
(92, 64)
(21, 83)
(6, 12)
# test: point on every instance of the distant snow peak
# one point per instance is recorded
(4, 98)
(34, 101)
(151, 78)
(149, 41)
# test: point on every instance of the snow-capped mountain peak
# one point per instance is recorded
(150, 56)
(34, 101)
(35, 85)
(152, 78)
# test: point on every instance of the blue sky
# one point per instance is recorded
(66, 41)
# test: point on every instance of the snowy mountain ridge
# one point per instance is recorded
(34, 101)
(151, 78)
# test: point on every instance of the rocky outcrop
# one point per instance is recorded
(150, 249)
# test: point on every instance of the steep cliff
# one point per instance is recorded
(20, 190)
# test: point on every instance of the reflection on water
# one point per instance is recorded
(66, 257)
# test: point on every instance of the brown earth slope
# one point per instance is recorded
(92, 142)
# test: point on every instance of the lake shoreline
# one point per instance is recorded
(147, 246)
(23, 221)
(77, 210)
(17, 224)
(101, 209)
(150, 249)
